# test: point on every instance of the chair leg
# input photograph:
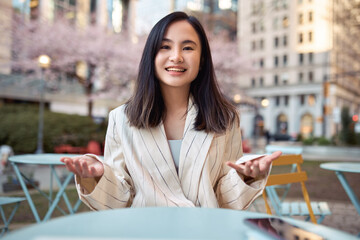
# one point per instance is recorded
(268, 210)
(7, 221)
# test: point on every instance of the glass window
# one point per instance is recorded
(301, 58)
(276, 80)
(310, 16)
(285, 60)
(302, 99)
(277, 100)
(276, 61)
(311, 76)
(311, 57)
(301, 38)
(253, 82)
(253, 45)
(261, 43)
(276, 42)
(310, 36)
(285, 41)
(261, 63)
(311, 100)
(286, 100)
(276, 23)
(261, 81)
(253, 27)
(301, 77)
(301, 18)
(285, 22)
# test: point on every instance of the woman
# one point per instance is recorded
(175, 142)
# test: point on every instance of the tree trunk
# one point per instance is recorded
(89, 89)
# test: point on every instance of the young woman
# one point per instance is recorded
(176, 141)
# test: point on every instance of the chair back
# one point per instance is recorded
(297, 176)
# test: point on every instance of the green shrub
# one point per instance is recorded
(19, 125)
(322, 141)
(309, 141)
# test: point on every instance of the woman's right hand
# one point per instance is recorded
(84, 166)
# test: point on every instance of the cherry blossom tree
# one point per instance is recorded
(101, 53)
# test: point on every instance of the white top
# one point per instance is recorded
(175, 146)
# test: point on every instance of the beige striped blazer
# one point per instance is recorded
(139, 170)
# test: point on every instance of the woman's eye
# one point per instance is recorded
(165, 47)
(188, 48)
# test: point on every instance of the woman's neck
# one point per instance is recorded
(175, 101)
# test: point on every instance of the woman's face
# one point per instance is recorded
(178, 60)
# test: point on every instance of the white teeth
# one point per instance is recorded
(175, 69)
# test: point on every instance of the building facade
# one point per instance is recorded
(302, 71)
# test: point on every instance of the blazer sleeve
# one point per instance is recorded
(231, 190)
(115, 188)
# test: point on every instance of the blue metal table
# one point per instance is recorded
(160, 223)
(52, 160)
(340, 168)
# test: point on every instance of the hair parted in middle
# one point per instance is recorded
(146, 109)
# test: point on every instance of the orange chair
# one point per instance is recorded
(282, 208)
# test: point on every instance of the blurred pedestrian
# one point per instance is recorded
(5, 152)
(176, 141)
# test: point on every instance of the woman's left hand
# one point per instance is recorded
(257, 167)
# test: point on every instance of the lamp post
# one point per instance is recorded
(44, 63)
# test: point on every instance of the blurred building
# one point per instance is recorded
(305, 59)
(134, 17)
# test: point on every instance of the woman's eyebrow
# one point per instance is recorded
(183, 42)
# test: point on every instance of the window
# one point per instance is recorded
(261, 43)
(301, 18)
(276, 80)
(253, 82)
(301, 77)
(261, 63)
(253, 27)
(311, 76)
(311, 57)
(301, 38)
(261, 81)
(276, 23)
(276, 61)
(276, 42)
(302, 99)
(310, 36)
(253, 45)
(262, 28)
(310, 16)
(311, 100)
(301, 58)
(285, 41)
(285, 60)
(277, 100)
(285, 22)
(286, 100)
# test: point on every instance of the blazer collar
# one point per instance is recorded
(194, 149)
(160, 164)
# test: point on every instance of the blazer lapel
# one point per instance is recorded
(160, 164)
(194, 149)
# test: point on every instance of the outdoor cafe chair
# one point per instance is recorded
(295, 208)
(6, 201)
(285, 150)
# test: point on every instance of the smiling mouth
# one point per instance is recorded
(170, 69)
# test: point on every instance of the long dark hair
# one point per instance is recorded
(145, 109)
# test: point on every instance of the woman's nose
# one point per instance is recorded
(176, 57)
